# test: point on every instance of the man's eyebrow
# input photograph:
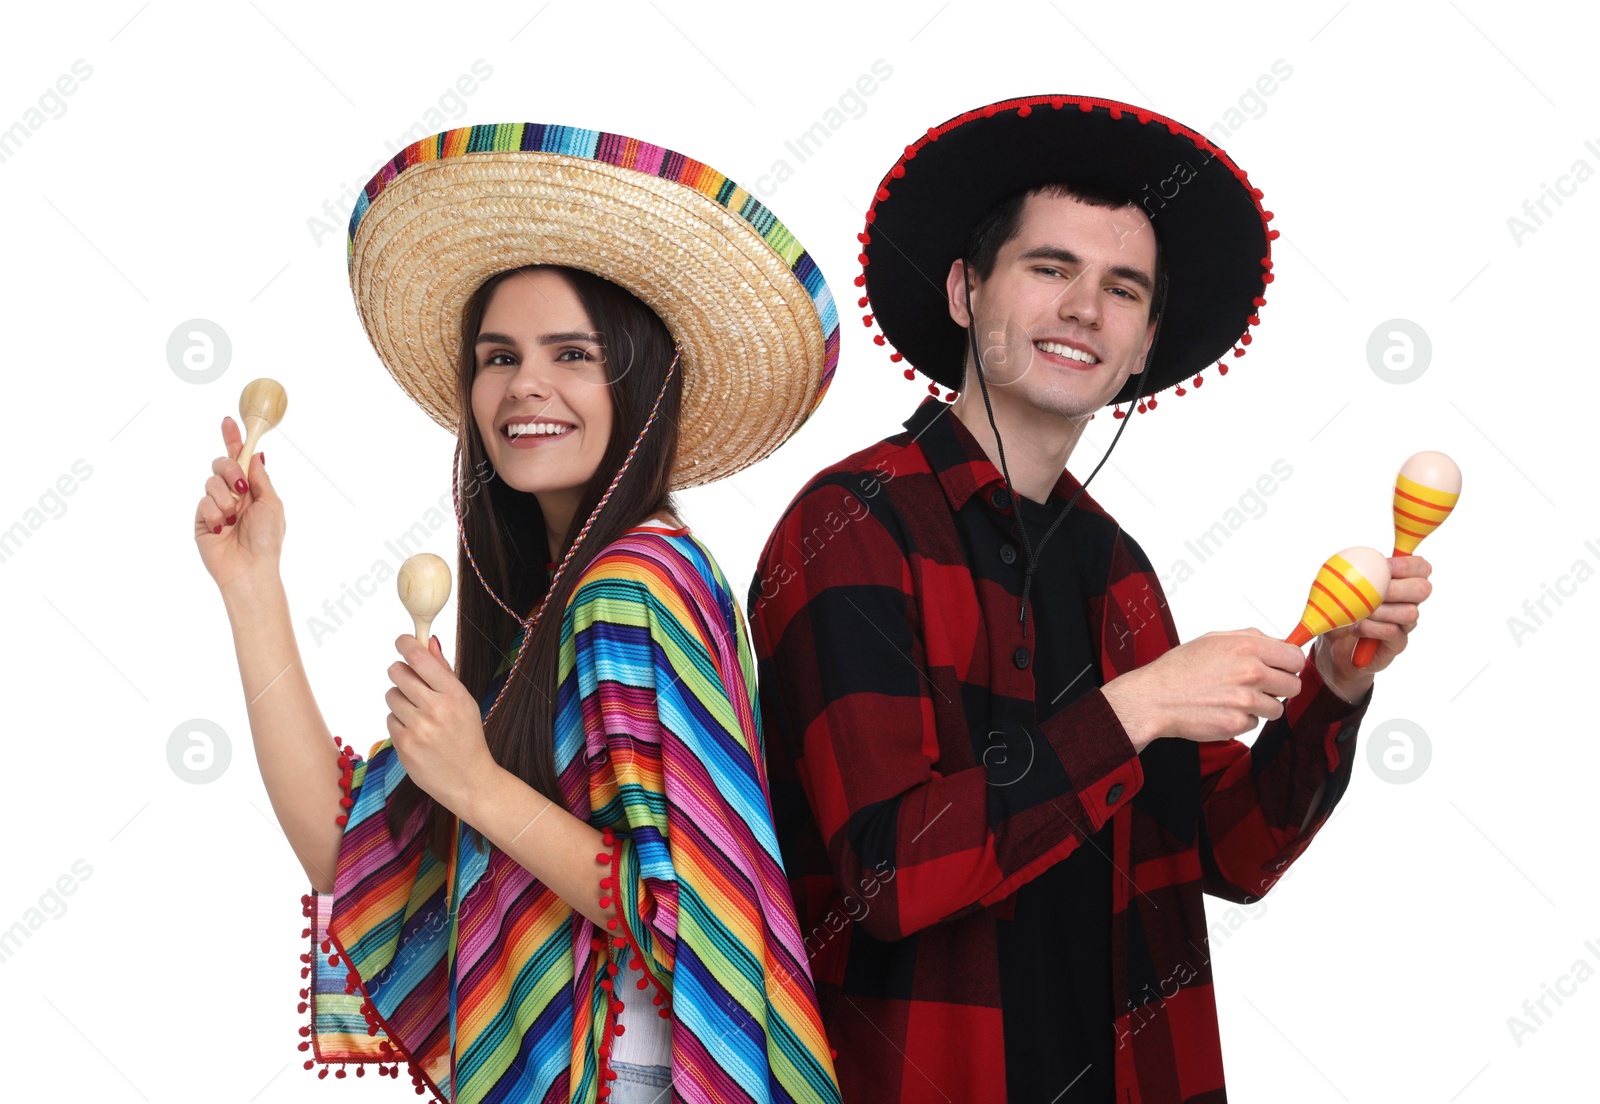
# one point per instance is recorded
(544, 339)
(1066, 256)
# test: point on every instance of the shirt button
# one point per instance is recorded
(999, 498)
(1345, 734)
(1020, 657)
(1113, 793)
(1008, 553)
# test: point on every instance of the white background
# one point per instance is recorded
(178, 184)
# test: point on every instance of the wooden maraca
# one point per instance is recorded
(261, 406)
(1348, 587)
(1425, 491)
(424, 585)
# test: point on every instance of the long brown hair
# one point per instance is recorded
(509, 540)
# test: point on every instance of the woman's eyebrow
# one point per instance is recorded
(544, 339)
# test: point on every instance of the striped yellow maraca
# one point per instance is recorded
(1425, 491)
(1348, 587)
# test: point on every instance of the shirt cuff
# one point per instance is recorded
(1330, 714)
(1097, 755)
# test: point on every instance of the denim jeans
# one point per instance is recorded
(641, 1084)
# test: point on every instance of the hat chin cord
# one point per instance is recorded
(528, 623)
(977, 361)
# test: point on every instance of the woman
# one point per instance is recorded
(557, 879)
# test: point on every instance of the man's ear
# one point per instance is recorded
(956, 292)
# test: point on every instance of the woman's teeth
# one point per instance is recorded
(540, 429)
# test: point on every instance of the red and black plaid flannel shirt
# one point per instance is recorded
(887, 658)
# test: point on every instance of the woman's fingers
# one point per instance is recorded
(230, 469)
(207, 517)
(232, 439)
(233, 476)
(221, 496)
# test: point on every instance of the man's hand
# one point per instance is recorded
(436, 726)
(1214, 687)
(1390, 625)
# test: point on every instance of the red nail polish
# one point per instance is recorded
(216, 528)
(230, 519)
(263, 458)
(241, 486)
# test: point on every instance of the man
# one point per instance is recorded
(1001, 784)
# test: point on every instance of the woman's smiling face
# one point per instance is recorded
(539, 365)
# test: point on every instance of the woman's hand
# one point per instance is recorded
(437, 727)
(1390, 625)
(239, 533)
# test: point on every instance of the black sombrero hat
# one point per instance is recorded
(1215, 242)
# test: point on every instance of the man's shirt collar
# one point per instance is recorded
(961, 465)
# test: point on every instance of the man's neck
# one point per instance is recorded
(1038, 442)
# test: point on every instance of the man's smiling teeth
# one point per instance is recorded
(1067, 351)
(543, 429)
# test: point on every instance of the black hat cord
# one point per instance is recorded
(977, 359)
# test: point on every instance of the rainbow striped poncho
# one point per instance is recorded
(490, 987)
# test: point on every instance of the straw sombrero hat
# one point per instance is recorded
(755, 322)
(1208, 217)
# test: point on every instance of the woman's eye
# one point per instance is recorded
(576, 354)
(493, 357)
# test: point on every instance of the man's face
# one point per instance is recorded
(1064, 318)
